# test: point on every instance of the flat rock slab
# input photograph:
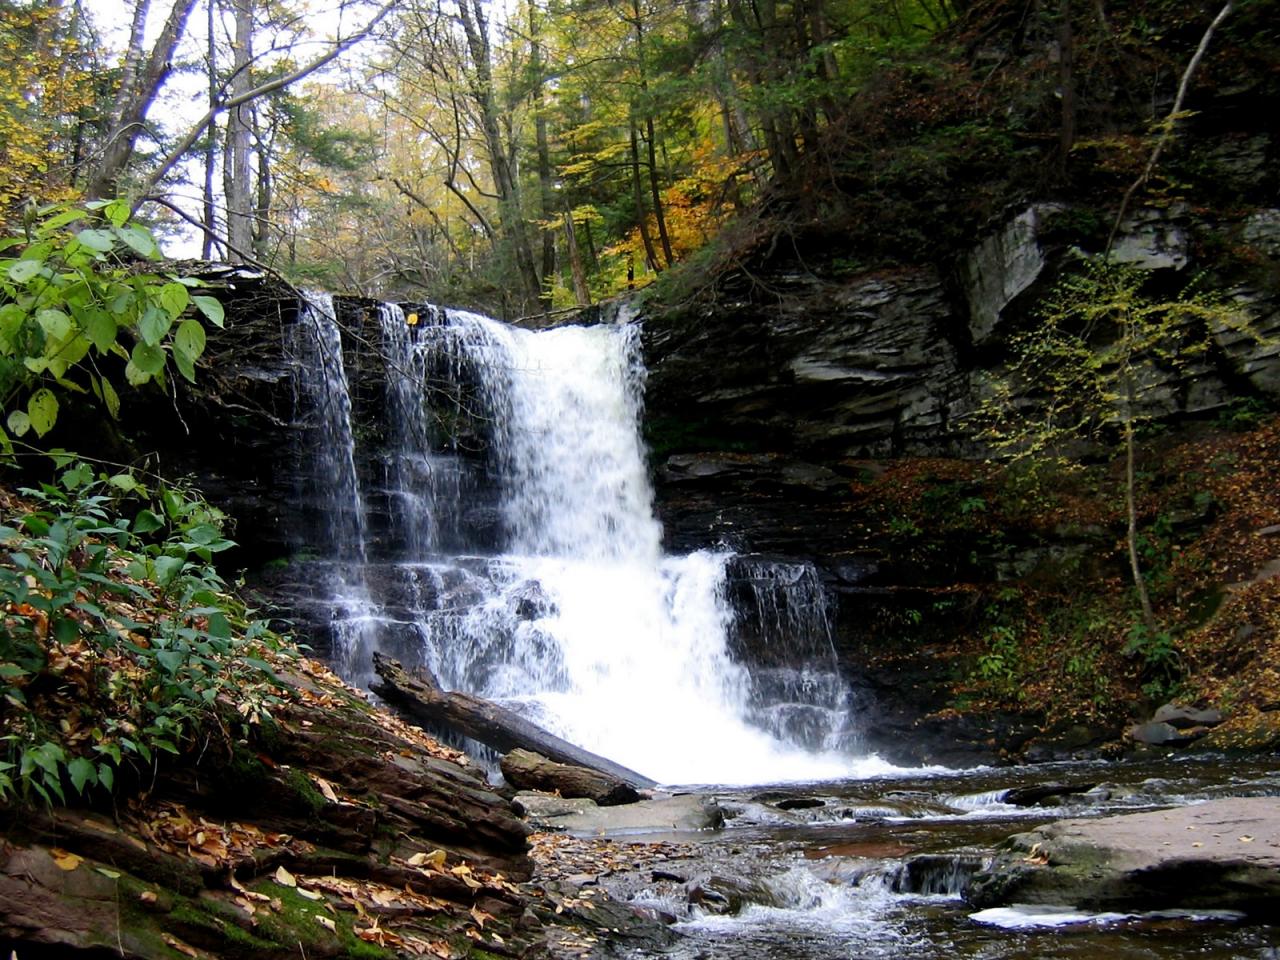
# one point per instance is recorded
(584, 818)
(1224, 854)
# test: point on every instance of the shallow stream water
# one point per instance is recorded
(879, 868)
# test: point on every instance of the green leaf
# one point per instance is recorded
(148, 358)
(125, 482)
(185, 366)
(139, 240)
(19, 423)
(100, 327)
(77, 476)
(82, 772)
(203, 534)
(100, 241)
(167, 568)
(42, 408)
(171, 660)
(117, 212)
(190, 338)
(211, 308)
(106, 776)
(23, 270)
(54, 323)
(153, 325)
(147, 521)
(133, 376)
(174, 298)
(110, 398)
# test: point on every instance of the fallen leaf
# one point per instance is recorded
(326, 923)
(285, 878)
(435, 858)
(309, 894)
(65, 860)
(184, 948)
(147, 896)
(326, 788)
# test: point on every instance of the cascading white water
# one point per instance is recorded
(583, 621)
(317, 348)
(337, 498)
(518, 556)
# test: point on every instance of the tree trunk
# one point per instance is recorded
(476, 28)
(637, 195)
(656, 195)
(1066, 80)
(211, 146)
(581, 291)
(546, 181)
(237, 186)
(420, 698)
(133, 103)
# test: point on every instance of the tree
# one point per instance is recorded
(140, 82)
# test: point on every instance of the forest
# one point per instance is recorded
(531, 157)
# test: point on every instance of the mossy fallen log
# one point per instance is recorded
(420, 697)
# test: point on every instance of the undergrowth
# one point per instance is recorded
(119, 640)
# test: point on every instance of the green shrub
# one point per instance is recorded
(119, 640)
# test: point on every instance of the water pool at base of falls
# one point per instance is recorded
(878, 870)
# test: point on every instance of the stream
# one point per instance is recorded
(879, 867)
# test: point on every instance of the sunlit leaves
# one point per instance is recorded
(68, 295)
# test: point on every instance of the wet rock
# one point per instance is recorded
(1156, 733)
(1000, 268)
(1039, 793)
(584, 818)
(1223, 854)
(531, 771)
(800, 803)
(1183, 717)
(729, 895)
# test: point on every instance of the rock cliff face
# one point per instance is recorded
(768, 408)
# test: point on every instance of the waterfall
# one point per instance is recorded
(527, 563)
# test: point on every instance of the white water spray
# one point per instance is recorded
(578, 618)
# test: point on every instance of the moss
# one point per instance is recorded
(296, 923)
(302, 787)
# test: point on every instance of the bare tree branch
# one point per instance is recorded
(271, 86)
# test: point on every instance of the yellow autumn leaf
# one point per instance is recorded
(65, 860)
(285, 878)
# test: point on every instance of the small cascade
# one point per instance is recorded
(783, 626)
(323, 392)
(335, 498)
(523, 561)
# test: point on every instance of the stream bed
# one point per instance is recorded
(877, 868)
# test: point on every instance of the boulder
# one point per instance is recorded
(1181, 716)
(1160, 734)
(1220, 855)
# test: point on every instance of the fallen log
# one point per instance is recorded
(420, 697)
(526, 770)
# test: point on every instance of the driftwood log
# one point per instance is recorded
(526, 770)
(419, 697)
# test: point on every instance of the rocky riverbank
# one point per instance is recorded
(338, 831)
(1219, 855)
